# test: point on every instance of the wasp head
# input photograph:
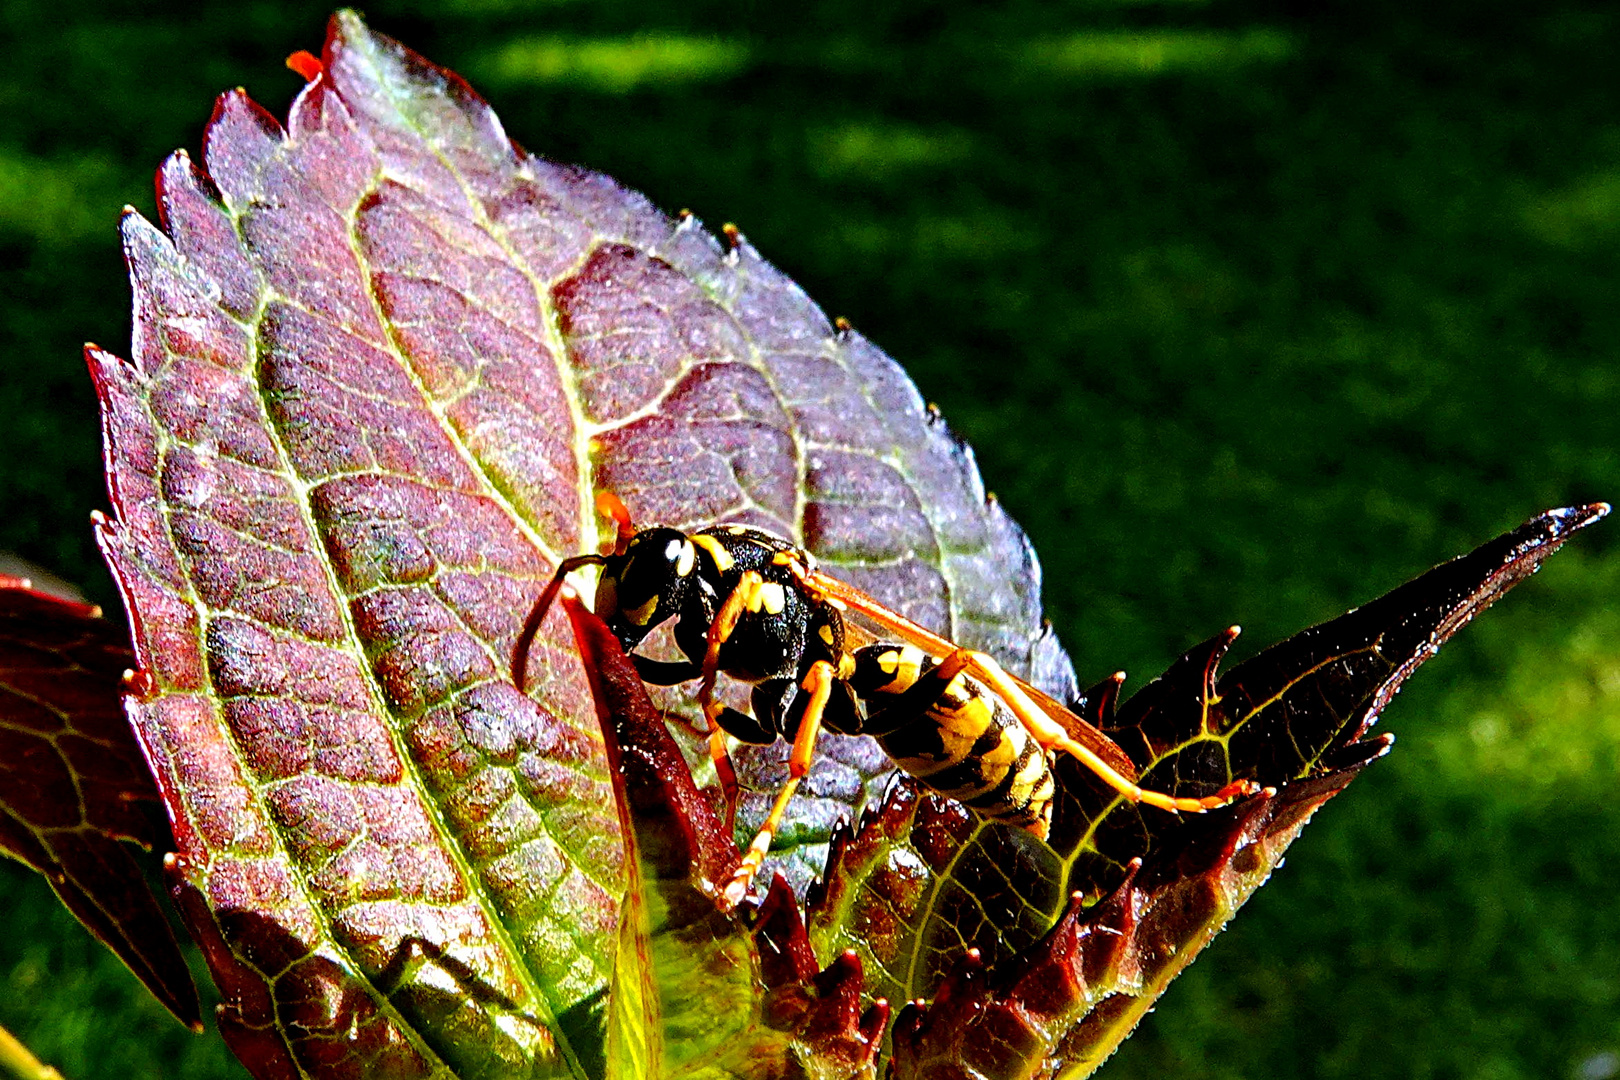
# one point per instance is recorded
(645, 584)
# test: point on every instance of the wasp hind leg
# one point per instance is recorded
(1052, 737)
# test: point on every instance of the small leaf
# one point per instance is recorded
(915, 883)
(72, 782)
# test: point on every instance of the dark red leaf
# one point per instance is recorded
(917, 880)
(72, 782)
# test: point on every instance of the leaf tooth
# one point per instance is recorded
(1356, 754)
(1096, 704)
(837, 850)
(1157, 719)
(905, 1036)
(929, 1034)
(961, 994)
(241, 139)
(785, 955)
(1110, 926)
(873, 1021)
(834, 1023)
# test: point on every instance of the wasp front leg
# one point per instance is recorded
(744, 596)
(537, 616)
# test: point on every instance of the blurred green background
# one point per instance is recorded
(1252, 310)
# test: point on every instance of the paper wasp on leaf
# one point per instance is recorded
(753, 606)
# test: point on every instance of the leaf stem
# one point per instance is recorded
(21, 1062)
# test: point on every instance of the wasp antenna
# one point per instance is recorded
(306, 64)
(611, 506)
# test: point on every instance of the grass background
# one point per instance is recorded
(1251, 309)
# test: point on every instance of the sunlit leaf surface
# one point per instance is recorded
(382, 360)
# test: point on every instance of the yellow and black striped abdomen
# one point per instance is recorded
(962, 741)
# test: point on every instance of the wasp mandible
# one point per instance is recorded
(754, 606)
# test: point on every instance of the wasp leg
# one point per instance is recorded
(1051, 736)
(743, 728)
(537, 615)
(742, 597)
(665, 672)
(818, 682)
(725, 621)
(726, 774)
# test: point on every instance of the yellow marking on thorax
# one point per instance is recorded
(770, 595)
(824, 632)
(723, 561)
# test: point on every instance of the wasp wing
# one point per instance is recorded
(939, 648)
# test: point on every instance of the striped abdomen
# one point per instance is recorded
(962, 741)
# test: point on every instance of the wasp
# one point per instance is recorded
(755, 607)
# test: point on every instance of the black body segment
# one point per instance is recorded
(954, 736)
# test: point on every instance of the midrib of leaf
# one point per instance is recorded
(356, 38)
